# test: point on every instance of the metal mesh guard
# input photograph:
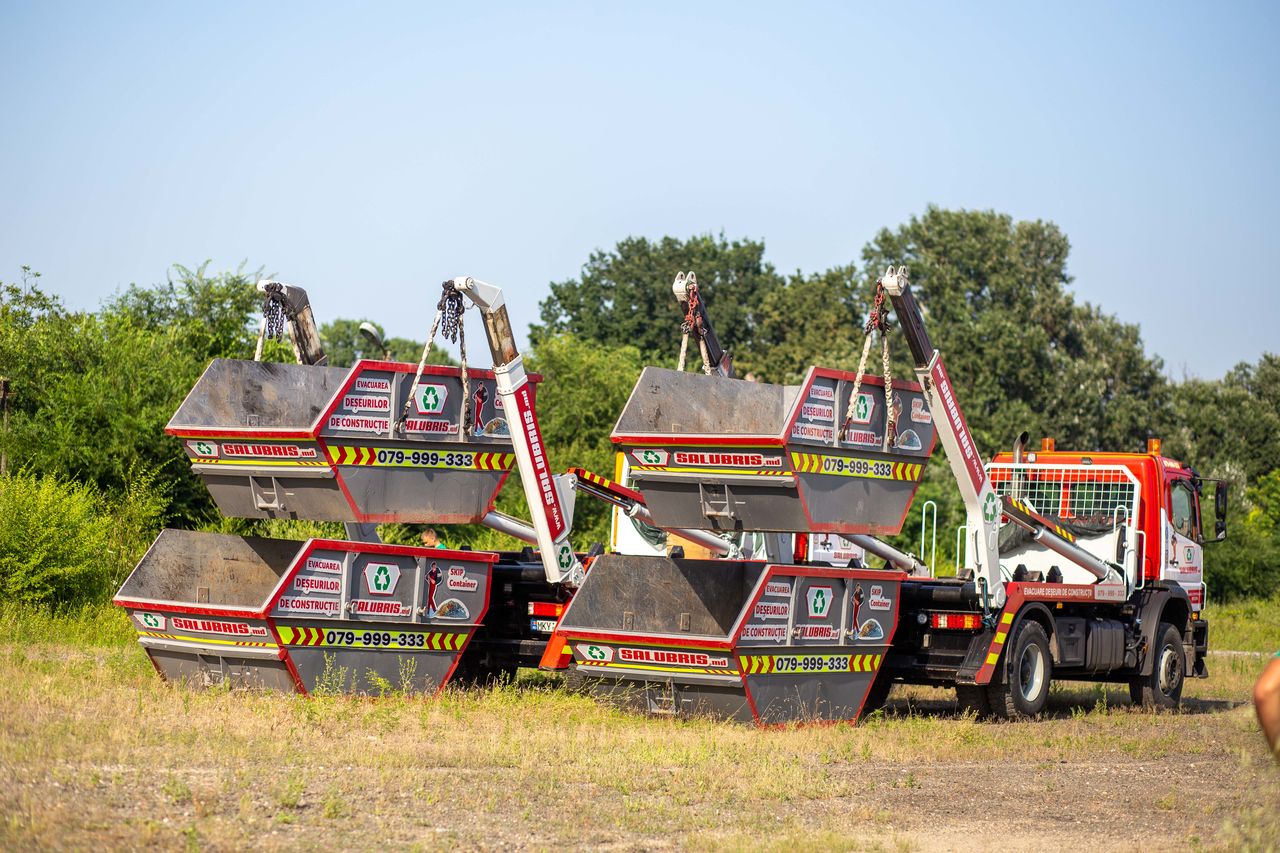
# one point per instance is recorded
(1070, 491)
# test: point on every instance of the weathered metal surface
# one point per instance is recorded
(741, 640)
(722, 454)
(316, 615)
(299, 441)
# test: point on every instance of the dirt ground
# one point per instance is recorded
(95, 752)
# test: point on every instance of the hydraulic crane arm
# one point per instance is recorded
(698, 323)
(552, 510)
(288, 305)
(983, 507)
(981, 504)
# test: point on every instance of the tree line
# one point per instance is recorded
(92, 391)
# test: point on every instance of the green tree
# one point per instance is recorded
(584, 387)
(623, 297)
(92, 393)
(996, 296)
(344, 344)
(815, 319)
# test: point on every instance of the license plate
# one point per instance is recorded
(543, 626)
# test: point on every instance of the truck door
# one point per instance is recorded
(1183, 553)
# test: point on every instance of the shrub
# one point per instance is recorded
(65, 544)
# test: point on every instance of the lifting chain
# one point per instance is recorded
(878, 322)
(274, 317)
(692, 321)
(448, 323)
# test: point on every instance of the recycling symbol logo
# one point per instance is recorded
(651, 457)
(989, 508)
(204, 448)
(863, 406)
(381, 578)
(819, 601)
(430, 399)
(565, 560)
(595, 653)
(151, 620)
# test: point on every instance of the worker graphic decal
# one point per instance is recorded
(870, 629)
(479, 424)
(434, 576)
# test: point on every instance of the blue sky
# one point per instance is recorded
(366, 152)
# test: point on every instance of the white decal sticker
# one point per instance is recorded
(323, 564)
(381, 578)
(358, 403)
(353, 423)
(429, 399)
(373, 386)
(819, 601)
(314, 606)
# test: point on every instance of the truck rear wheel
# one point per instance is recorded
(1163, 687)
(1021, 685)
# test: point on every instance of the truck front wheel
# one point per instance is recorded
(1163, 687)
(1026, 669)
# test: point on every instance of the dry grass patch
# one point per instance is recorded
(97, 751)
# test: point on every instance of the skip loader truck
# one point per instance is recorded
(1075, 566)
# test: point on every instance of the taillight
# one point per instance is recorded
(956, 621)
(546, 609)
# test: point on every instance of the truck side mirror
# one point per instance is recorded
(1220, 510)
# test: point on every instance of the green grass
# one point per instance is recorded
(1252, 625)
(89, 626)
(97, 749)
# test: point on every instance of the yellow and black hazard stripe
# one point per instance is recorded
(650, 667)
(752, 472)
(184, 638)
(997, 642)
(776, 664)
(853, 466)
(383, 457)
(1013, 506)
(273, 461)
(370, 638)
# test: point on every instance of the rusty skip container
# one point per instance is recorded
(305, 616)
(723, 454)
(301, 441)
(748, 641)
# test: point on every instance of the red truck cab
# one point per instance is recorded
(1169, 537)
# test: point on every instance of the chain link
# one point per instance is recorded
(877, 322)
(448, 322)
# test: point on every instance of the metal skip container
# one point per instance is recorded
(729, 455)
(748, 641)
(323, 443)
(321, 615)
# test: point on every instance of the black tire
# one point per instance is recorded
(877, 695)
(1020, 687)
(973, 697)
(1163, 687)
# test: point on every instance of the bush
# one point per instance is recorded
(64, 544)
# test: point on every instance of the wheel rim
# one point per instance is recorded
(1170, 670)
(1031, 673)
